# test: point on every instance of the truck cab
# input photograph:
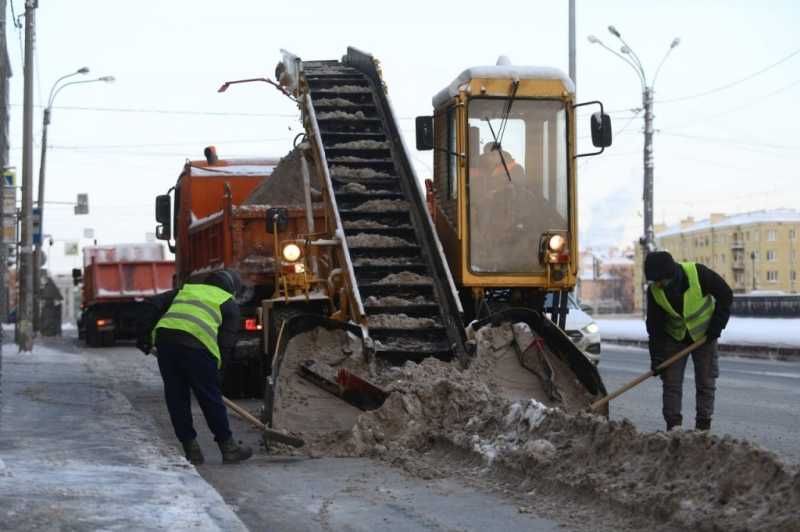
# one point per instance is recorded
(504, 195)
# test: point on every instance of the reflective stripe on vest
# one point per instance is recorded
(697, 309)
(196, 310)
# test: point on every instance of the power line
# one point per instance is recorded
(733, 142)
(732, 83)
(166, 111)
(752, 103)
(165, 144)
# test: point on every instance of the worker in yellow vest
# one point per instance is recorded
(199, 325)
(685, 302)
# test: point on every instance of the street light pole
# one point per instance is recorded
(648, 91)
(37, 252)
(37, 258)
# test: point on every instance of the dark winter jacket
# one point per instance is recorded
(227, 335)
(711, 283)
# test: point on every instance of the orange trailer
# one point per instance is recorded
(115, 281)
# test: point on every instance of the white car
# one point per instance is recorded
(582, 329)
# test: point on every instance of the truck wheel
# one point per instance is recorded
(92, 334)
(107, 338)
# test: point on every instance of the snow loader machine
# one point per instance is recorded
(496, 234)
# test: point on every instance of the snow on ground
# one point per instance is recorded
(778, 332)
(75, 454)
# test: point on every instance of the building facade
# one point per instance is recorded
(754, 251)
(606, 281)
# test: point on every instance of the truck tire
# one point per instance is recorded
(107, 338)
(93, 338)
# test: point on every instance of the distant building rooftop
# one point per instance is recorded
(718, 221)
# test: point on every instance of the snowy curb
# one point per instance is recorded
(772, 352)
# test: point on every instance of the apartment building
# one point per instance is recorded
(752, 251)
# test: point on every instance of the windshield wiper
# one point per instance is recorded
(499, 148)
(507, 110)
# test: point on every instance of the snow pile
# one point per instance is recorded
(362, 145)
(400, 321)
(685, 479)
(351, 89)
(371, 224)
(382, 205)
(333, 102)
(363, 173)
(365, 240)
(689, 479)
(358, 188)
(341, 115)
(392, 301)
(285, 186)
(347, 159)
(382, 261)
(406, 278)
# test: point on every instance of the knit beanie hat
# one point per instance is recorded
(659, 265)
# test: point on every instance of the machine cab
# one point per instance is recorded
(504, 194)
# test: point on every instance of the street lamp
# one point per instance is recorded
(648, 90)
(37, 258)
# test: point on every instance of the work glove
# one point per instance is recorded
(144, 345)
(654, 363)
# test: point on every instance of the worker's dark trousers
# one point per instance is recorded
(183, 369)
(706, 371)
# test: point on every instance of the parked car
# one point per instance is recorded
(582, 329)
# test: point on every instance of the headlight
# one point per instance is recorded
(592, 328)
(556, 243)
(291, 252)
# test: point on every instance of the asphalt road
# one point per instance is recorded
(756, 399)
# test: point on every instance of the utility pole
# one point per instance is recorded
(5, 73)
(572, 62)
(25, 303)
(647, 195)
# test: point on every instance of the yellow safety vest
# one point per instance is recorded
(196, 310)
(697, 309)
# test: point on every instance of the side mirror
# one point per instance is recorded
(277, 219)
(424, 127)
(600, 124)
(77, 276)
(164, 217)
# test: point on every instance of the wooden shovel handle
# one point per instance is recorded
(643, 377)
(247, 416)
(268, 433)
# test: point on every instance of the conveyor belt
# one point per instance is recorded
(396, 261)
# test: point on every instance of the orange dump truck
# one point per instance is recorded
(115, 281)
(217, 215)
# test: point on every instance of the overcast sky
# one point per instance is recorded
(726, 150)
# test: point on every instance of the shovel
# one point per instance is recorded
(267, 433)
(641, 378)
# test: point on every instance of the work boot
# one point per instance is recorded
(193, 452)
(233, 452)
(702, 424)
(675, 423)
